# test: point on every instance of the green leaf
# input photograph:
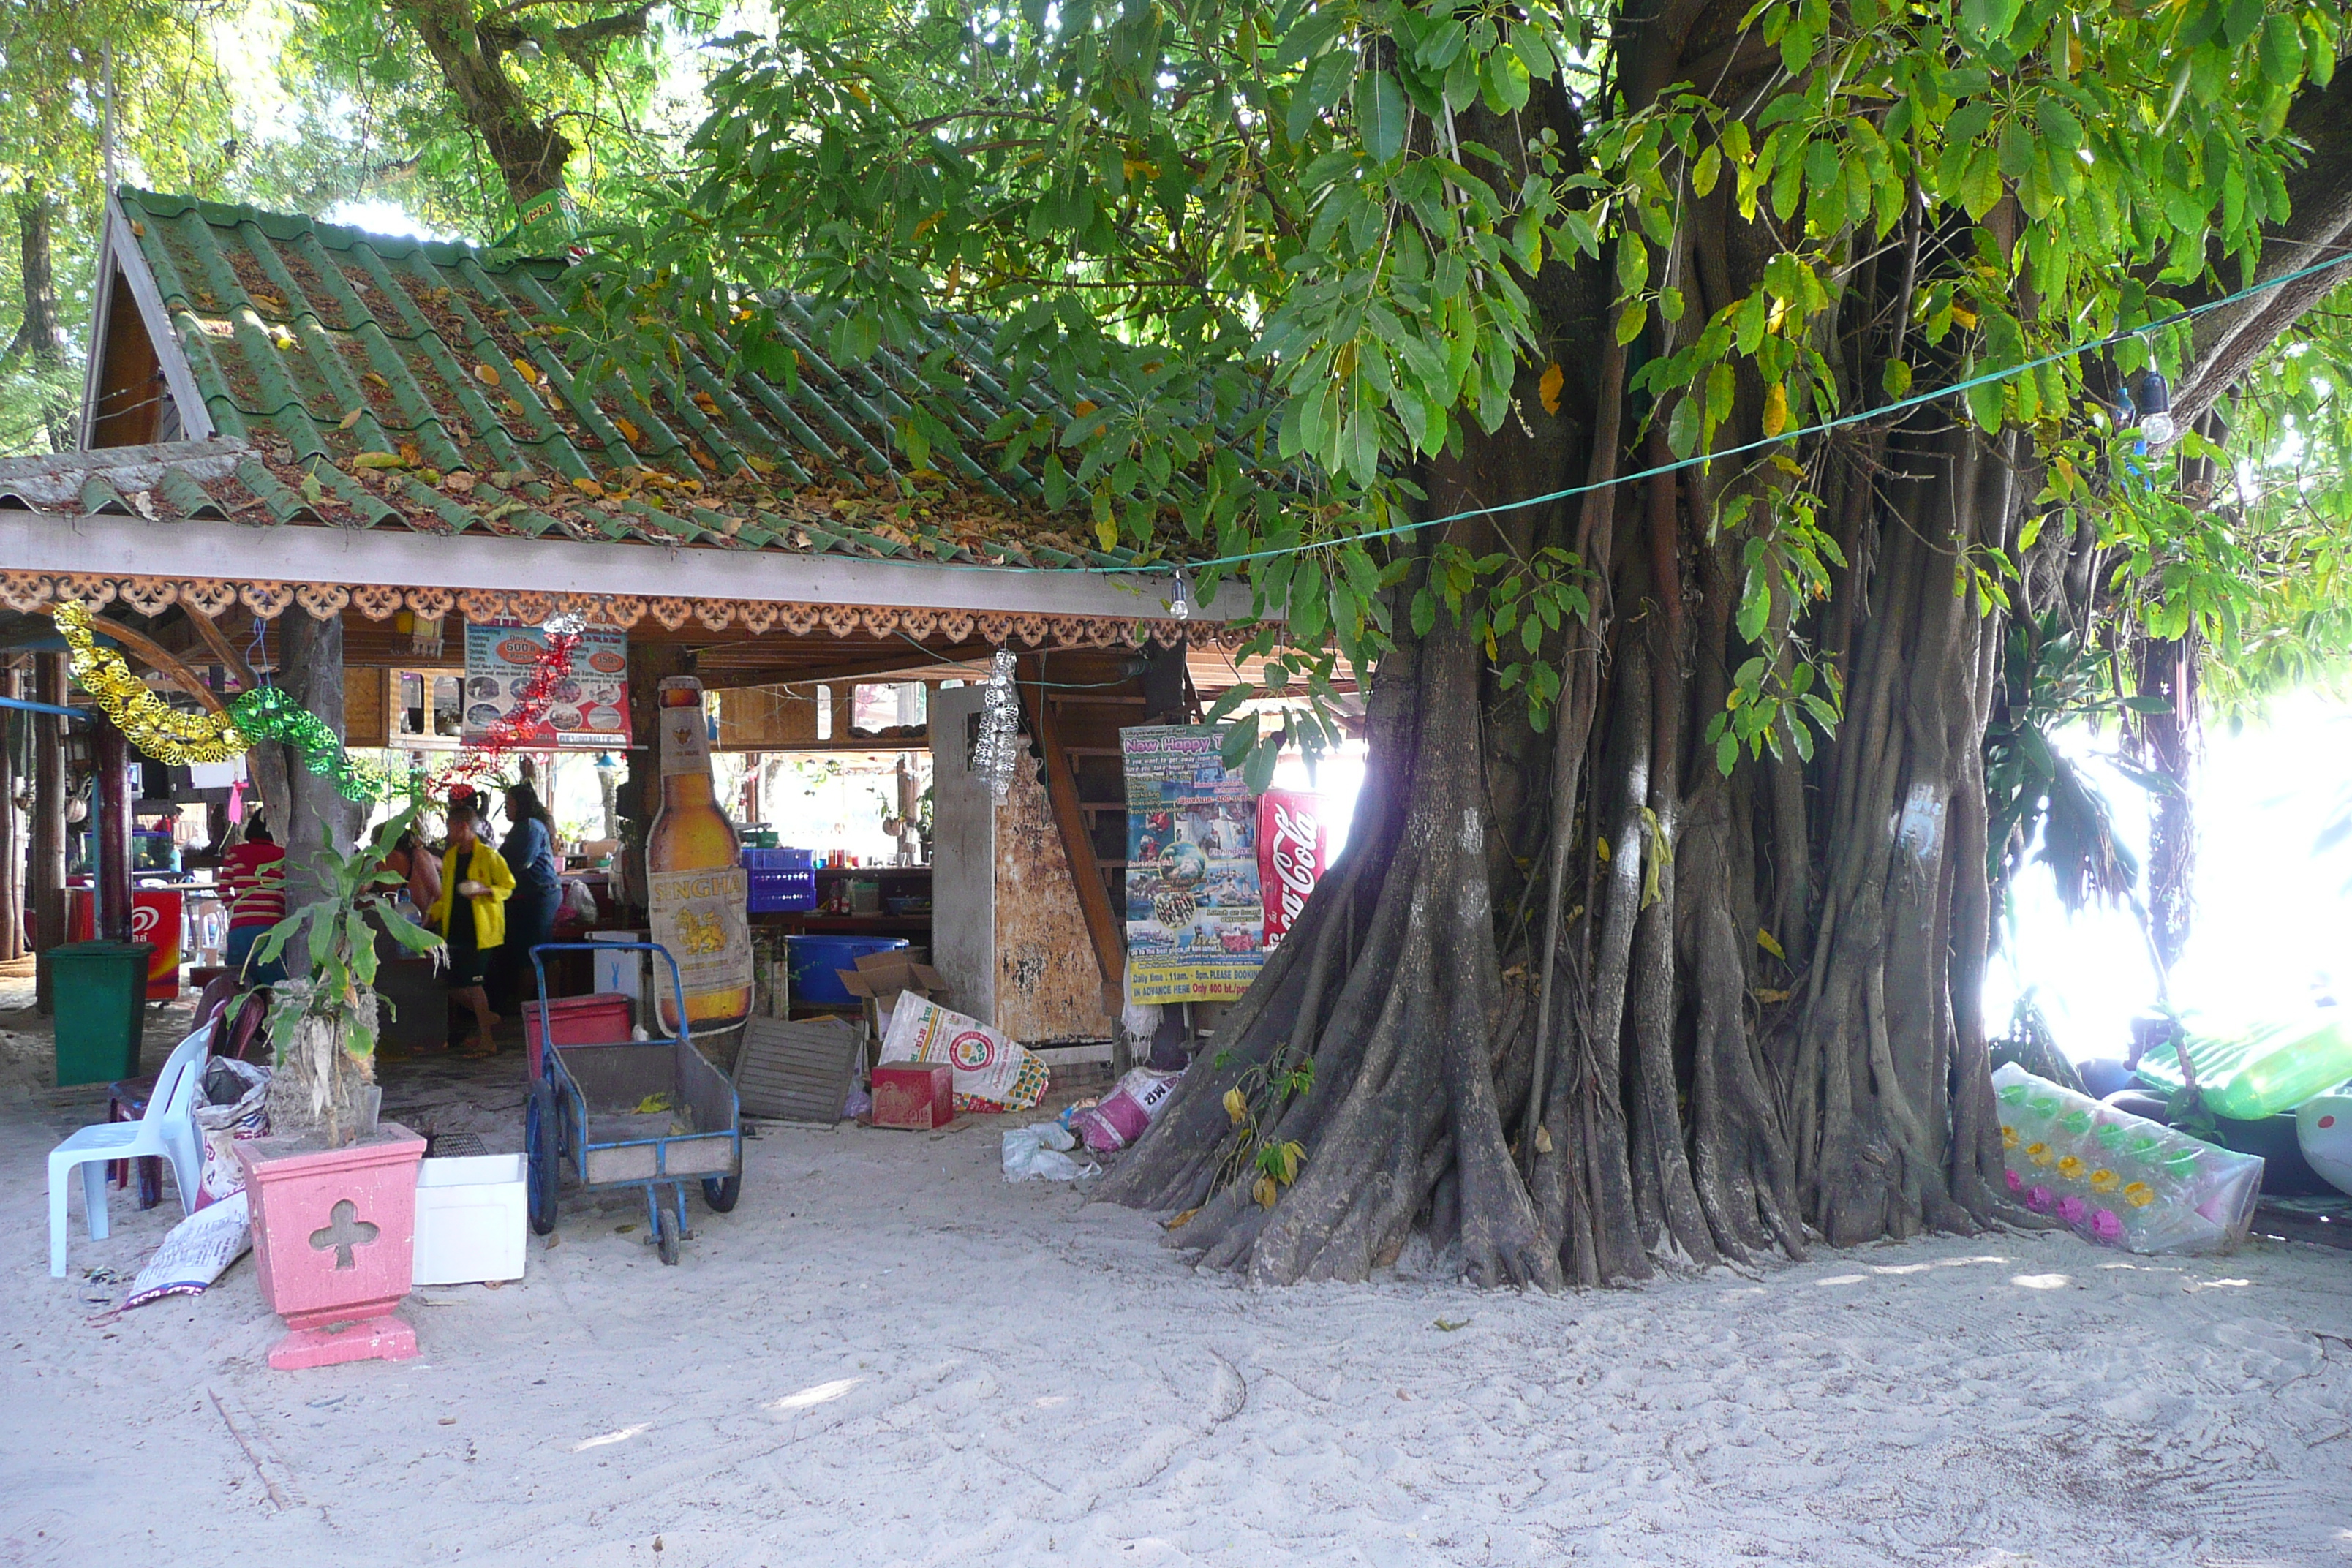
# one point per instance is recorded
(1980, 185)
(1709, 167)
(1755, 605)
(1382, 110)
(1682, 429)
(2282, 50)
(2239, 21)
(1990, 19)
(2059, 126)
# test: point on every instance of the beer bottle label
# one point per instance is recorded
(699, 917)
(685, 741)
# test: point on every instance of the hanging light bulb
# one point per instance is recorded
(2153, 398)
(1178, 607)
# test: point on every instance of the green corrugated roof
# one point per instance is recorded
(427, 375)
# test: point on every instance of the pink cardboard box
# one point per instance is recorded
(916, 1096)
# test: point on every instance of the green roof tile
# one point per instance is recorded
(322, 344)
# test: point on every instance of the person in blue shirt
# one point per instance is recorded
(530, 849)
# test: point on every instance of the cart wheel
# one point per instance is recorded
(541, 1131)
(665, 1234)
(722, 1195)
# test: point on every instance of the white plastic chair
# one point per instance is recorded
(169, 1129)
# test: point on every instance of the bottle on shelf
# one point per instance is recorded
(696, 888)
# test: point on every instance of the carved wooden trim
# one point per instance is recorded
(324, 600)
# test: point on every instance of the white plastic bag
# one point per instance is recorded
(1037, 1149)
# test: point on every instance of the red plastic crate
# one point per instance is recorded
(603, 1018)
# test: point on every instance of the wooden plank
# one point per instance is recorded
(222, 650)
(153, 655)
(195, 547)
(1103, 929)
(367, 708)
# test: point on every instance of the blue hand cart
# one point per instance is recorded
(644, 1114)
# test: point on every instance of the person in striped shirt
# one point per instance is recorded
(252, 880)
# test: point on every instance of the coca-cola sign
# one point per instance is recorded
(1293, 848)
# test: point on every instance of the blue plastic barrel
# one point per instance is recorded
(813, 959)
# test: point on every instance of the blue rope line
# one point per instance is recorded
(1917, 400)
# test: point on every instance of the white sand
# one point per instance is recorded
(887, 1356)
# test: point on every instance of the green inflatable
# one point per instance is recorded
(2260, 1072)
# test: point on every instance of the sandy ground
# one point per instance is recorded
(888, 1355)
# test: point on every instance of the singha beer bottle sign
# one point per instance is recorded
(696, 888)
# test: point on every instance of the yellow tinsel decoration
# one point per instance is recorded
(150, 724)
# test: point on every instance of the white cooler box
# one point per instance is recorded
(469, 1219)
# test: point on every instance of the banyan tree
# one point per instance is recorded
(1690, 421)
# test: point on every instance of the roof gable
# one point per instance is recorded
(427, 377)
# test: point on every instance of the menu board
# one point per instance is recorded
(586, 709)
(1195, 920)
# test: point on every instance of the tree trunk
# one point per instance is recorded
(528, 148)
(315, 1089)
(39, 336)
(1760, 1021)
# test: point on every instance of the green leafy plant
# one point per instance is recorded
(1255, 1104)
(323, 1026)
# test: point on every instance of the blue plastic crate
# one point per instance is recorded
(780, 878)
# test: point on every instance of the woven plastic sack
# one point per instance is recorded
(1119, 1118)
(2117, 1179)
(232, 1106)
(992, 1073)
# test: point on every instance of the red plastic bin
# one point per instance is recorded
(603, 1018)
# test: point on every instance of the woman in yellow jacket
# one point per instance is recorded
(474, 873)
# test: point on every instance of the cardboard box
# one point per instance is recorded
(880, 976)
(879, 980)
(916, 1096)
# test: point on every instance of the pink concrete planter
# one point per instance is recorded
(333, 1234)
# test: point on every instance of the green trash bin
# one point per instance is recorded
(101, 990)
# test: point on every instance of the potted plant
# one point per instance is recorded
(333, 1192)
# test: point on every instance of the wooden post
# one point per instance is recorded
(12, 839)
(110, 850)
(1104, 930)
(45, 879)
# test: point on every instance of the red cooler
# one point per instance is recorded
(600, 1019)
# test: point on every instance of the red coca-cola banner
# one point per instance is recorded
(1294, 846)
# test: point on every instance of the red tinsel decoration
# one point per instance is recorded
(480, 761)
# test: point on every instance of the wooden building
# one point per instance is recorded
(295, 427)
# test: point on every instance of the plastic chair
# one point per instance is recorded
(168, 1129)
(127, 1101)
